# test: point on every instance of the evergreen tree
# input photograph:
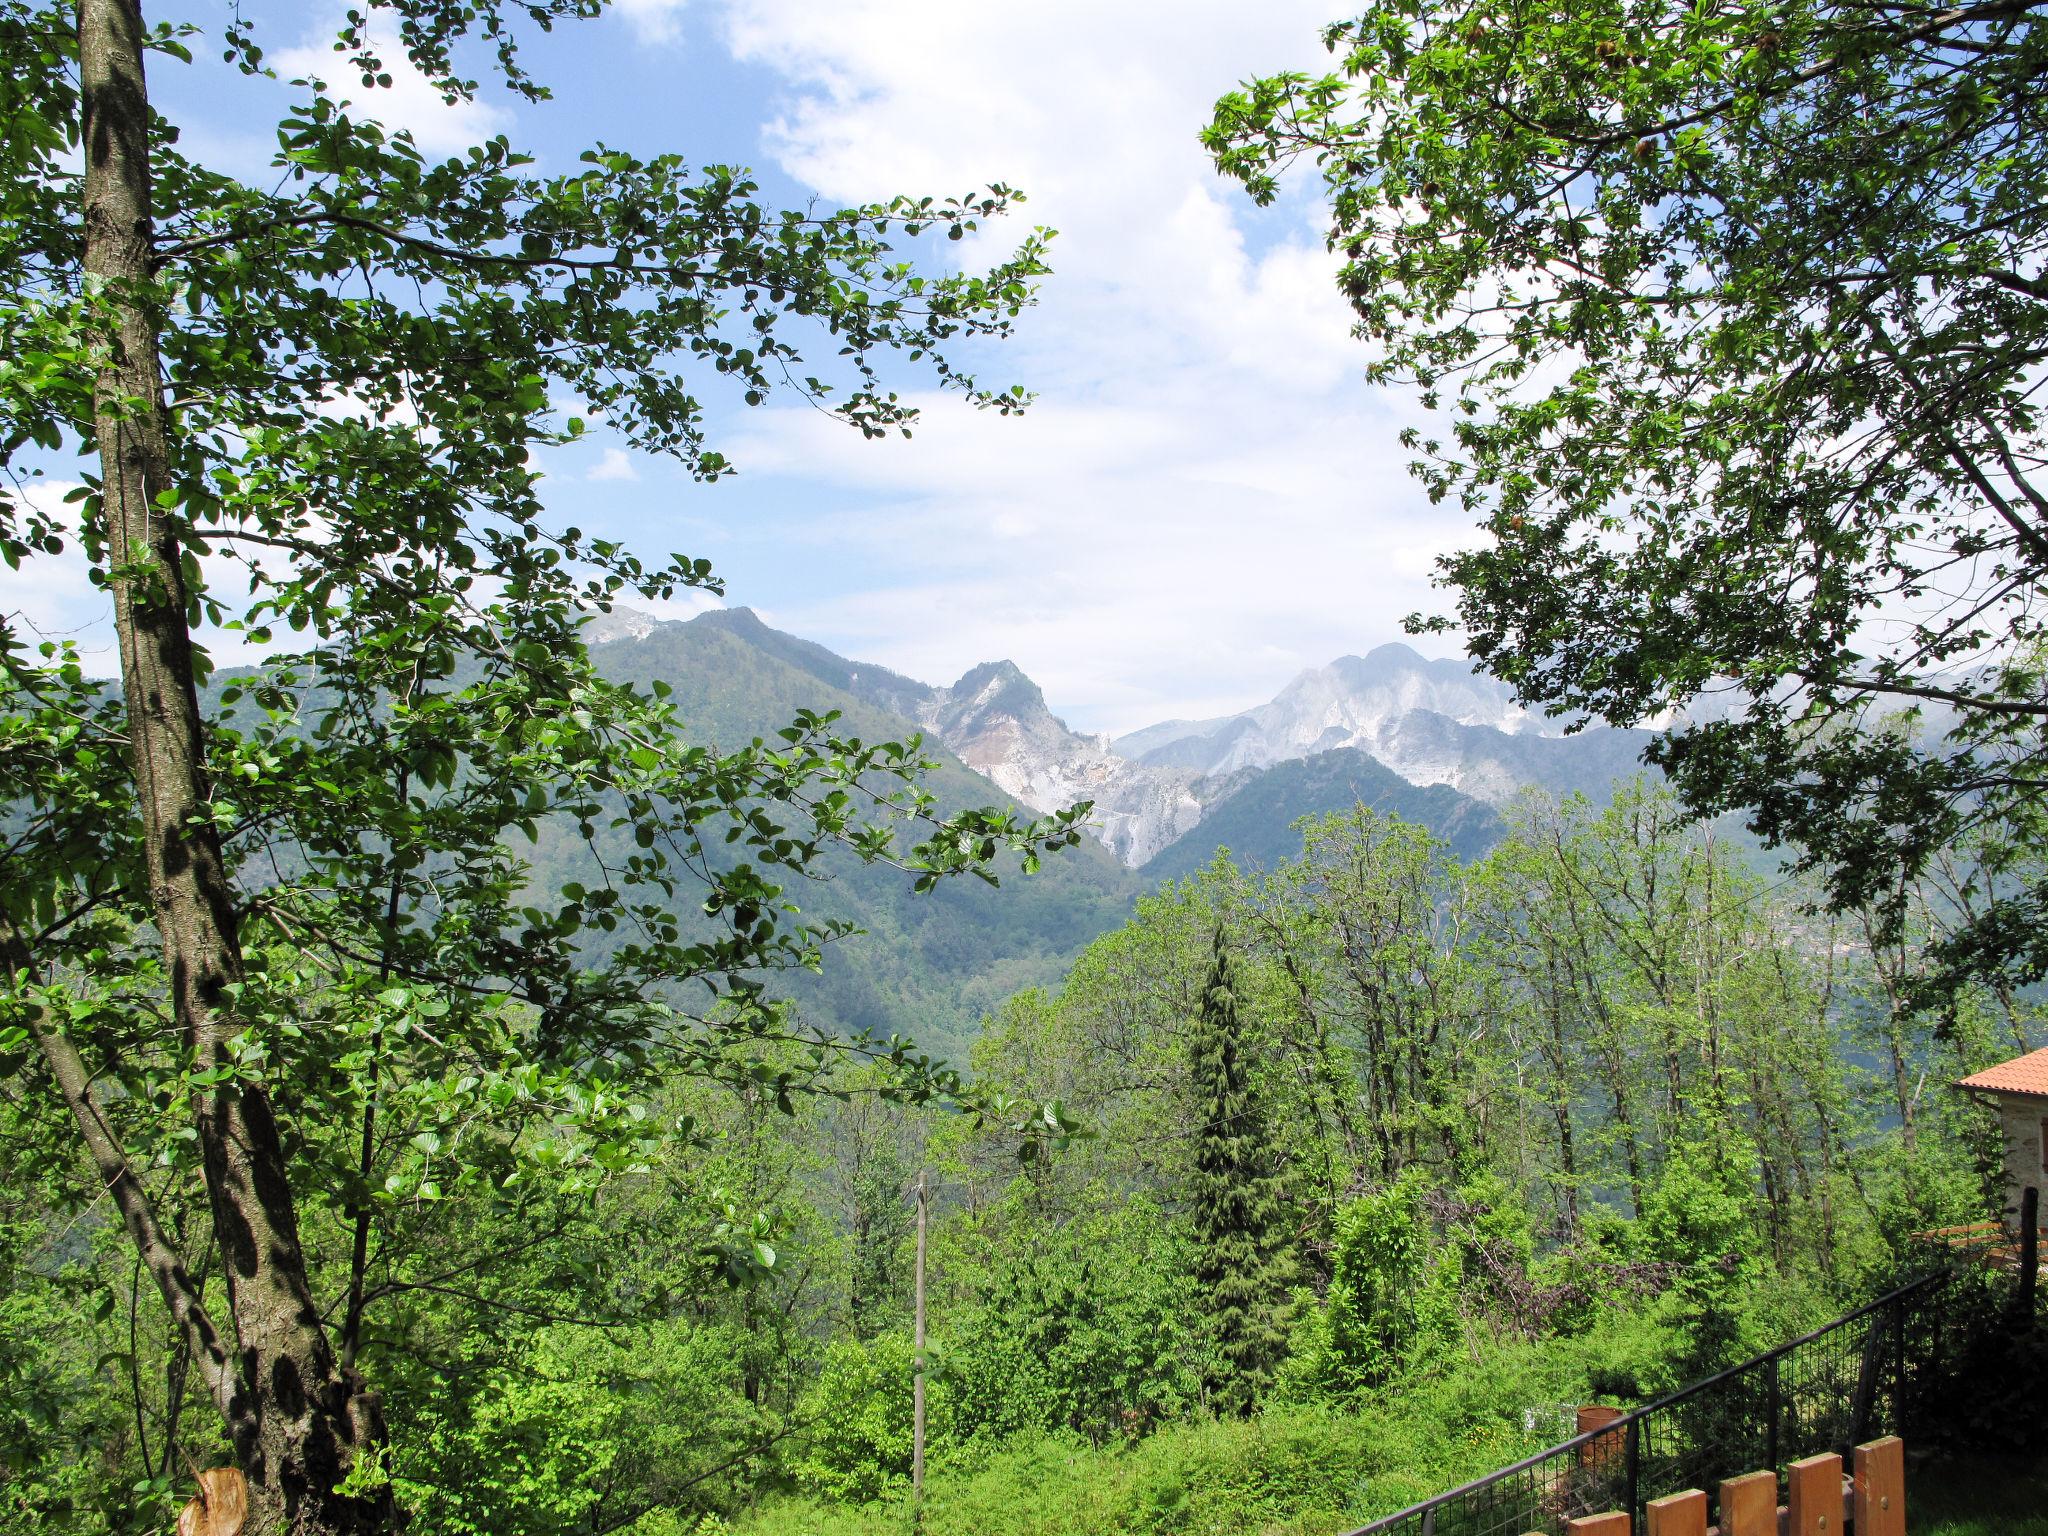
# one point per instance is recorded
(1241, 1271)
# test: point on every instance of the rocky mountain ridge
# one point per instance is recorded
(1429, 722)
(1349, 703)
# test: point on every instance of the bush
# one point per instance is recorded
(543, 1439)
(1295, 1469)
(858, 1447)
(1696, 1222)
(1085, 1328)
(1987, 1401)
(1393, 1301)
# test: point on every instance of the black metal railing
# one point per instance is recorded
(1829, 1390)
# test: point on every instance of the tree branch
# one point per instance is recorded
(158, 1253)
(1932, 27)
(1962, 700)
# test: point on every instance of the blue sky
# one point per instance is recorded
(1207, 496)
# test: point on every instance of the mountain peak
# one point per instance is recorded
(742, 621)
(1353, 729)
(998, 687)
(996, 719)
(1393, 654)
(874, 684)
(1394, 662)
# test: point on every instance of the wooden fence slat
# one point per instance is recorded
(1678, 1514)
(1749, 1505)
(1881, 1487)
(1815, 1497)
(1612, 1524)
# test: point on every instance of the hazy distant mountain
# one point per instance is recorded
(901, 696)
(996, 720)
(1427, 740)
(1428, 723)
(1349, 703)
(1493, 765)
(936, 962)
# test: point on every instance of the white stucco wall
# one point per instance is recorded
(2021, 1119)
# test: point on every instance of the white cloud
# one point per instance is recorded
(683, 606)
(410, 102)
(1207, 497)
(653, 21)
(1134, 573)
(51, 597)
(616, 464)
(1094, 111)
(347, 405)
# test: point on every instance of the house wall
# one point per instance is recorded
(2021, 1118)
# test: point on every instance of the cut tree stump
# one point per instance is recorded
(220, 1508)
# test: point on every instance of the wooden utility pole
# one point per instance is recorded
(917, 1361)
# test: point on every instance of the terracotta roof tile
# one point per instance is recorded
(2024, 1074)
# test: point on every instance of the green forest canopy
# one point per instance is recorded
(1578, 1121)
(271, 964)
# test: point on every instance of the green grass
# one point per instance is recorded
(1977, 1498)
(1299, 1473)
(1294, 1473)
(1296, 1470)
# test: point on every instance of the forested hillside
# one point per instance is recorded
(1580, 1120)
(1255, 813)
(1414, 728)
(1583, 1118)
(933, 964)
(928, 965)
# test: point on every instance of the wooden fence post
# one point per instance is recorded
(1881, 1488)
(1613, 1524)
(1749, 1505)
(2030, 1250)
(1815, 1496)
(1678, 1514)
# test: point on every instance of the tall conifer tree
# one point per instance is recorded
(1242, 1270)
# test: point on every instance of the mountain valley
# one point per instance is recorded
(1425, 740)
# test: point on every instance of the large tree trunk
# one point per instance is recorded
(297, 1421)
